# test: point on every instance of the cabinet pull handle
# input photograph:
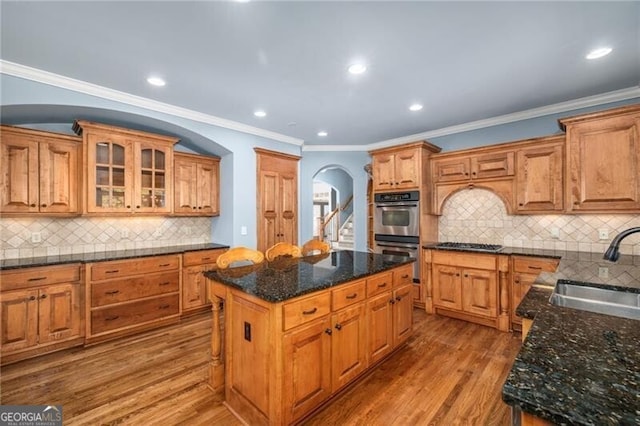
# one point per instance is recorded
(338, 326)
(206, 258)
(313, 311)
(534, 267)
(113, 271)
(32, 298)
(112, 292)
(112, 318)
(405, 276)
(44, 296)
(164, 306)
(328, 331)
(165, 283)
(392, 301)
(382, 285)
(352, 296)
(164, 264)
(37, 279)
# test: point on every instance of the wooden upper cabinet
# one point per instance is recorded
(603, 157)
(400, 168)
(539, 177)
(41, 172)
(473, 166)
(196, 185)
(126, 171)
(277, 183)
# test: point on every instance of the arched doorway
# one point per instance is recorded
(333, 207)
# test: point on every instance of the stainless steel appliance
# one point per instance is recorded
(397, 226)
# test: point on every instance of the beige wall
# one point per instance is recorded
(86, 235)
(479, 216)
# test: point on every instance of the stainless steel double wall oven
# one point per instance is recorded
(396, 225)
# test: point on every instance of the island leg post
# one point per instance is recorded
(216, 364)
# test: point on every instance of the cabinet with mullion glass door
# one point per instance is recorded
(110, 177)
(127, 171)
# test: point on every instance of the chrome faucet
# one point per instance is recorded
(612, 252)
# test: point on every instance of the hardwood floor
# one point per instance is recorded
(451, 372)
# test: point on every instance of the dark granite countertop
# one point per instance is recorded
(579, 367)
(103, 256)
(286, 278)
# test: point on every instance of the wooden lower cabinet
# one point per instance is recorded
(41, 311)
(127, 296)
(469, 286)
(194, 297)
(524, 272)
(283, 360)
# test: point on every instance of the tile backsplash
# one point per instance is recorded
(59, 236)
(479, 216)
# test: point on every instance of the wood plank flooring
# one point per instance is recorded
(450, 373)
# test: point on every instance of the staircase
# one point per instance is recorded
(345, 236)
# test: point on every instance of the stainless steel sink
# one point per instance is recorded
(618, 303)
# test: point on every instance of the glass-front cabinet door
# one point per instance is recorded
(109, 174)
(153, 178)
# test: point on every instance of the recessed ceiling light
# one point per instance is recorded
(599, 53)
(415, 107)
(357, 68)
(156, 81)
(260, 113)
(322, 133)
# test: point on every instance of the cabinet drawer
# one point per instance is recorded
(464, 260)
(403, 275)
(124, 268)
(45, 275)
(133, 313)
(114, 291)
(534, 265)
(348, 295)
(304, 310)
(379, 283)
(194, 258)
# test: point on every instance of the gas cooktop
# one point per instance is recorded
(493, 248)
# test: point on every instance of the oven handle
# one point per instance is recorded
(397, 246)
(395, 205)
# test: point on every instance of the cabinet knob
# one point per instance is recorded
(466, 275)
(128, 207)
(44, 296)
(33, 205)
(194, 207)
(43, 205)
(338, 326)
(328, 331)
(575, 203)
(199, 208)
(392, 301)
(137, 207)
(517, 281)
(32, 298)
(457, 275)
(398, 298)
(520, 204)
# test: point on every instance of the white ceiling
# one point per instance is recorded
(464, 61)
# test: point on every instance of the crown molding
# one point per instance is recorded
(34, 74)
(604, 98)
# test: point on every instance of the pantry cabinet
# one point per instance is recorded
(277, 198)
(41, 310)
(127, 172)
(603, 161)
(40, 172)
(196, 185)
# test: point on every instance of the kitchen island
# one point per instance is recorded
(298, 330)
(578, 367)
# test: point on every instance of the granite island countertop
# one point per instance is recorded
(579, 367)
(103, 256)
(286, 278)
